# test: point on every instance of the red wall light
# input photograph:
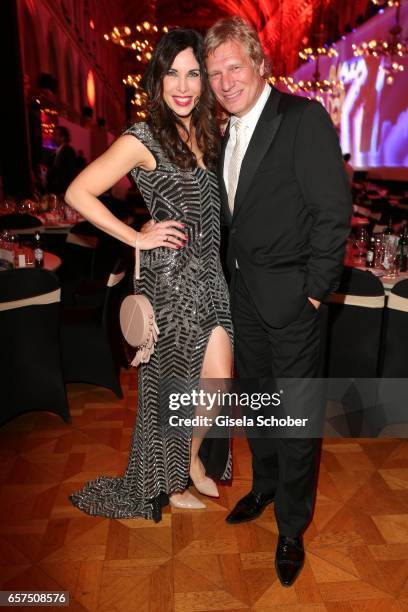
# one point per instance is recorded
(90, 88)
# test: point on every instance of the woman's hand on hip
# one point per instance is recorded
(162, 234)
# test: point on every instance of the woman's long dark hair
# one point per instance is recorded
(163, 121)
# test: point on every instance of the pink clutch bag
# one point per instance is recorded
(138, 323)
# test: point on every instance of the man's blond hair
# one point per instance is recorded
(236, 29)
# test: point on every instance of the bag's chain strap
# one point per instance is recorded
(137, 260)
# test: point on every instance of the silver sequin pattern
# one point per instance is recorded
(189, 295)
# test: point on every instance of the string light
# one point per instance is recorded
(310, 54)
(314, 53)
(390, 3)
(140, 99)
(133, 80)
(315, 87)
(141, 39)
(380, 48)
(393, 50)
(48, 123)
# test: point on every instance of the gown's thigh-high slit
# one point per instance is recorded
(216, 456)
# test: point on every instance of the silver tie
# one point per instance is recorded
(235, 162)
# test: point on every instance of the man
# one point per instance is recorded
(63, 167)
(287, 204)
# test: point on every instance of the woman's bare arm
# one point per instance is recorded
(125, 153)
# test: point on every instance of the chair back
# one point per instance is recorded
(355, 326)
(116, 290)
(109, 250)
(31, 373)
(395, 359)
(78, 258)
(391, 415)
(92, 343)
(26, 283)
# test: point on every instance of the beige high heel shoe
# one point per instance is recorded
(205, 485)
(186, 500)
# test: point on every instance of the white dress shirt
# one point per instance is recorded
(250, 120)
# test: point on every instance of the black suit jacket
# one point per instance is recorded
(292, 208)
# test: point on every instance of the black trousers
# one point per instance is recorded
(286, 467)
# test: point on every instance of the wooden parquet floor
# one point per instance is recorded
(357, 545)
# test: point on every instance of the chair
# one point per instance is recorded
(353, 346)
(31, 373)
(394, 359)
(355, 324)
(92, 345)
(81, 243)
(103, 251)
(109, 250)
(393, 389)
(78, 259)
(21, 223)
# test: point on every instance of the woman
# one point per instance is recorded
(172, 159)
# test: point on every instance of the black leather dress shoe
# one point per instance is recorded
(290, 556)
(249, 507)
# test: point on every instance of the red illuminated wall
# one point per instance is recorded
(286, 26)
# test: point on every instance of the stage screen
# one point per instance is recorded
(370, 115)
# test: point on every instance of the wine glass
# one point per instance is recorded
(361, 242)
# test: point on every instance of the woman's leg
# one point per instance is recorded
(217, 363)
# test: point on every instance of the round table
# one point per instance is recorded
(387, 281)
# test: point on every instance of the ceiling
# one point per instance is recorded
(285, 26)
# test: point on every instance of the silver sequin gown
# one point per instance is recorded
(189, 295)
